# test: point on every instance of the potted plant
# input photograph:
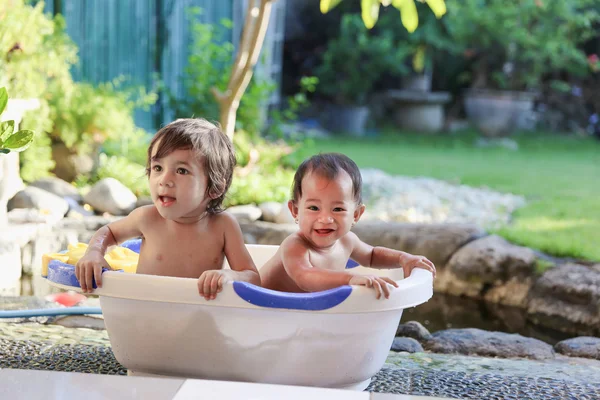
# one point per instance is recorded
(351, 66)
(512, 46)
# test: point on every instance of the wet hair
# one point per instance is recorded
(212, 147)
(328, 165)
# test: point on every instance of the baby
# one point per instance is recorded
(184, 233)
(326, 204)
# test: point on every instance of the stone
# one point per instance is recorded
(144, 201)
(414, 330)
(437, 242)
(246, 213)
(491, 259)
(284, 216)
(419, 111)
(58, 187)
(583, 346)
(270, 210)
(473, 341)
(409, 345)
(111, 196)
(32, 197)
(567, 298)
(267, 232)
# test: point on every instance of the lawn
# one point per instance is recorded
(559, 176)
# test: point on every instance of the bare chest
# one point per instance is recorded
(181, 254)
(335, 260)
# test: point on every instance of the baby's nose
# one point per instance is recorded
(326, 219)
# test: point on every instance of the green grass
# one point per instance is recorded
(558, 175)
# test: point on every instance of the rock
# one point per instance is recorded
(270, 210)
(58, 187)
(435, 241)
(267, 232)
(31, 216)
(414, 330)
(567, 298)
(284, 216)
(111, 196)
(80, 321)
(407, 344)
(491, 259)
(32, 197)
(473, 341)
(583, 346)
(76, 210)
(246, 213)
(143, 201)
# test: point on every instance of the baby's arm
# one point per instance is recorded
(241, 264)
(91, 264)
(295, 258)
(382, 257)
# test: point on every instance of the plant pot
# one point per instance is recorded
(350, 120)
(418, 83)
(498, 113)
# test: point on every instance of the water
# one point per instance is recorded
(452, 312)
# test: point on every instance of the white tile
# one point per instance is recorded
(201, 389)
(17, 384)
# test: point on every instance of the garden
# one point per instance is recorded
(475, 123)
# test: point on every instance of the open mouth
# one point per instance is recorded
(166, 201)
(324, 232)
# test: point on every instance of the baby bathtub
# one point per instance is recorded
(337, 338)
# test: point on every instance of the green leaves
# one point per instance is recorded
(3, 99)
(6, 129)
(9, 139)
(19, 141)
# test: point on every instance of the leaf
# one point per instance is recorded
(419, 59)
(3, 99)
(4, 151)
(19, 141)
(370, 12)
(6, 129)
(327, 5)
(438, 7)
(408, 13)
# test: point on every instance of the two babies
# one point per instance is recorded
(185, 232)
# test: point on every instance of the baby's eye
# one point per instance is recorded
(157, 168)
(313, 208)
(182, 171)
(338, 209)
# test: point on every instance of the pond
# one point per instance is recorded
(439, 313)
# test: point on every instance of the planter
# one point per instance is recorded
(10, 180)
(499, 113)
(418, 111)
(347, 119)
(418, 83)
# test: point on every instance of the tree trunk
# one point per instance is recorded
(253, 35)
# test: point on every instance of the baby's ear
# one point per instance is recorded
(293, 208)
(360, 209)
(216, 191)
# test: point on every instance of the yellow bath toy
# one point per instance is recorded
(117, 258)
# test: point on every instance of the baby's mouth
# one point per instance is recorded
(324, 231)
(166, 201)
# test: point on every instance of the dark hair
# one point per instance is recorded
(211, 146)
(328, 165)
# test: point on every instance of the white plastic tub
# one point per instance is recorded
(338, 338)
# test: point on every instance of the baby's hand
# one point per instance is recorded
(410, 262)
(379, 283)
(211, 282)
(88, 267)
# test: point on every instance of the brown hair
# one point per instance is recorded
(328, 165)
(211, 146)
